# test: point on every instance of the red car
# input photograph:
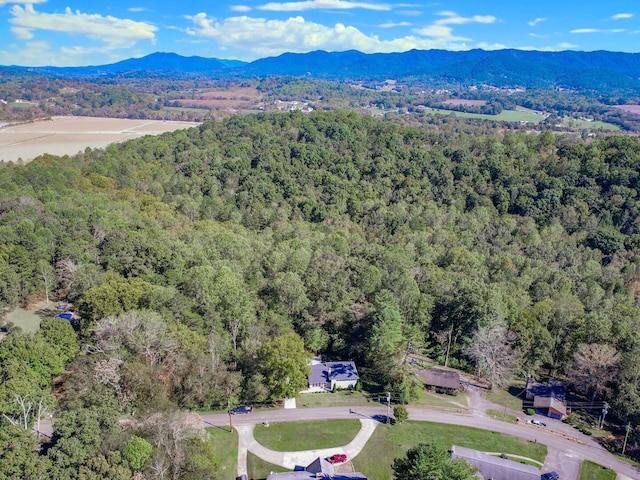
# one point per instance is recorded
(337, 458)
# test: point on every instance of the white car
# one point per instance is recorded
(538, 423)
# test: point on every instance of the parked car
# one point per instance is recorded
(550, 476)
(337, 458)
(241, 409)
(538, 423)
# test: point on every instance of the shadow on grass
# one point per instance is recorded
(224, 429)
(517, 392)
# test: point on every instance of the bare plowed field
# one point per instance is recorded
(70, 135)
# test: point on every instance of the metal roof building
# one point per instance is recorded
(495, 468)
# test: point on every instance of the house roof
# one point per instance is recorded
(495, 467)
(551, 403)
(318, 466)
(553, 389)
(328, 371)
(309, 475)
(439, 377)
(321, 465)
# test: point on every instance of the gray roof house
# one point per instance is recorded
(495, 468)
(325, 376)
(319, 468)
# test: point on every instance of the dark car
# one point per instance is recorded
(337, 458)
(550, 476)
(241, 409)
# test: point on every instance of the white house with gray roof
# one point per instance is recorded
(325, 376)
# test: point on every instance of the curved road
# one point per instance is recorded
(565, 452)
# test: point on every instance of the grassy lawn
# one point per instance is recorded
(226, 445)
(593, 471)
(337, 399)
(27, 320)
(506, 115)
(295, 436)
(503, 417)
(583, 124)
(258, 469)
(508, 398)
(390, 442)
(456, 402)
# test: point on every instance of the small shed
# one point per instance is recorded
(441, 380)
(550, 406)
(548, 399)
(495, 468)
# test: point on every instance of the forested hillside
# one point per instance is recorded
(197, 259)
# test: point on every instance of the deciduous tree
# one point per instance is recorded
(286, 366)
(428, 462)
(593, 367)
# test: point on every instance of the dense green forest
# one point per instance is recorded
(204, 263)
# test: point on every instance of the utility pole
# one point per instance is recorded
(604, 412)
(229, 411)
(388, 407)
(626, 436)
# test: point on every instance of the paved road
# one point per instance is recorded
(565, 453)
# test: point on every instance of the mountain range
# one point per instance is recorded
(600, 71)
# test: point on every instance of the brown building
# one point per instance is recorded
(441, 380)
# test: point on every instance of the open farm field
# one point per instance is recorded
(70, 135)
(506, 115)
(235, 98)
(582, 124)
(629, 108)
(462, 101)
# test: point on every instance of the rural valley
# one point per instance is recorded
(252, 270)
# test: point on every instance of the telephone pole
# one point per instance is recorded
(388, 407)
(626, 436)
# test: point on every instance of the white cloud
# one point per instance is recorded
(490, 46)
(556, 48)
(585, 30)
(597, 30)
(22, 33)
(452, 18)
(441, 32)
(394, 24)
(113, 32)
(321, 4)
(23, 2)
(240, 8)
(30, 54)
(262, 37)
(621, 16)
(536, 21)
(137, 9)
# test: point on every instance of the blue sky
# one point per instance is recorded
(74, 32)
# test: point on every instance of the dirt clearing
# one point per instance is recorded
(70, 135)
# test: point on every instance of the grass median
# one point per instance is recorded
(390, 442)
(593, 471)
(296, 436)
